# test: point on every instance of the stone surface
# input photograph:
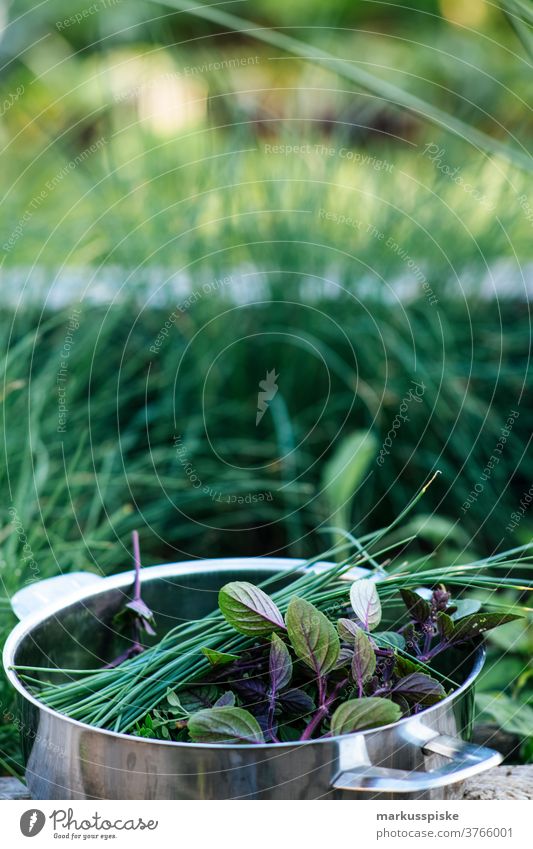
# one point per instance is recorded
(503, 782)
(12, 788)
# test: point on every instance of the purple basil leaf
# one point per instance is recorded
(419, 688)
(365, 602)
(279, 664)
(363, 661)
(344, 659)
(296, 702)
(249, 610)
(125, 655)
(143, 613)
(402, 703)
(445, 625)
(227, 699)
(251, 689)
(476, 624)
(347, 629)
(313, 637)
(418, 608)
(263, 720)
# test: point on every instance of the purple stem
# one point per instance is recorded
(427, 641)
(434, 651)
(137, 565)
(325, 704)
(136, 648)
(271, 709)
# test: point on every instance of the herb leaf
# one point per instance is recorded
(347, 629)
(225, 725)
(445, 625)
(464, 607)
(197, 698)
(476, 624)
(419, 688)
(344, 659)
(418, 608)
(313, 637)
(364, 660)
(296, 702)
(388, 640)
(279, 664)
(218, 658)
(358, 714)
(227, 699)
(365, 601)
(403, 666)
(248, 609)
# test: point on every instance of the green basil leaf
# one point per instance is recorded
(464, 607)
(248, 609)
(359, 714)
(388, 640)
(196, 698)
(173, 699)
(364, 660)
(218, 658)
(365, 602)
(313, 637)
(225, 725)
(289, 734)
(279, 663)
(403, 666)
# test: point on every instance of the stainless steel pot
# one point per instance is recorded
(422, 757)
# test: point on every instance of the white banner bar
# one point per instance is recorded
(267, 825)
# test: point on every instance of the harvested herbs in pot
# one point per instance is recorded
(308, 661)
(307, 677)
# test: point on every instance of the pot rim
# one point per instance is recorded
(125, 579)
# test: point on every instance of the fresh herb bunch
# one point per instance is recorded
(305, 677)
(143, 693)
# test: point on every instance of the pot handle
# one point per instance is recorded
(40, 594)
(465, 760)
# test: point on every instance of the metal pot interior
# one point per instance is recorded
(83, 634)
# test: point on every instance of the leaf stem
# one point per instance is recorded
(324, 706)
